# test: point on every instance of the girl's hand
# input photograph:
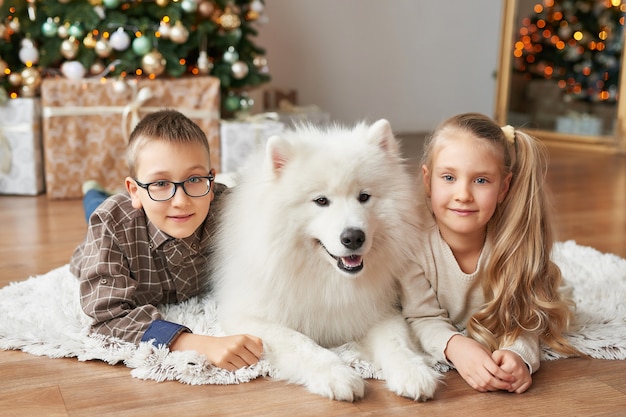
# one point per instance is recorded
(475, 365)
(512, 363)
(228, 352)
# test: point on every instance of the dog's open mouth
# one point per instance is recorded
(350, 264)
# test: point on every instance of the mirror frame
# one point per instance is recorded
(614, 144)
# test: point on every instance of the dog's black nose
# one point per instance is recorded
(352, 238)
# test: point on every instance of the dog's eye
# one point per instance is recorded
(321, 201)
(363, 197)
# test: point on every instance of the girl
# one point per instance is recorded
(486, 292)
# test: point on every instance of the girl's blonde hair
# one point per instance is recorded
(519, 280)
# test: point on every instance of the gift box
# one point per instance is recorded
(21, 160)
(239, 138)
(87, 123)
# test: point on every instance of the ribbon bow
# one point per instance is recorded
(139, 99)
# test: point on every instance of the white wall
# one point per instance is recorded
(414, 62)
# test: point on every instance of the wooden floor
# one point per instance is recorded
(38, 235)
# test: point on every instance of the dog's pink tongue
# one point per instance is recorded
(351, 261)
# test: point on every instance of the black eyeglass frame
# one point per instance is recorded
(181, 184)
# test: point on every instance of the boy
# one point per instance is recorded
(153, 245)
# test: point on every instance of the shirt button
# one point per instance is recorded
(103, 281)
(194, 246)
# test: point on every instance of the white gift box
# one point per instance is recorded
(21, 153)
(240, 138)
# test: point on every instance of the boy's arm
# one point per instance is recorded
(119, 305)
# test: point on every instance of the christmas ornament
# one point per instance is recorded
(69, 48)
(153, 63)
(28, 54)
(164, 29)
(111, 4)
(73, 70)
(205, 8)
(32, 10)
(231, 103)
(257, 6)
(141, 45)
(15, 79)
(204, 65)
(162, 3)
(96, 68)
(231, 55)
(89, 41)
(75, 30)
(189, 6)
(103, 49)
(119, 40)
(240, 69)
(31, 80)
(179, 33)
(63, 31)
(14, 24)
(49, 28)
(229, 19)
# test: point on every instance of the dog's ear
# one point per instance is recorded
(277, 153)
(381, 133)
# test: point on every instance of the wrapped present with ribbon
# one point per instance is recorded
(87, 123)
(21, 159)
(241, 136)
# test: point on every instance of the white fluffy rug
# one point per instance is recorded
(42, 316)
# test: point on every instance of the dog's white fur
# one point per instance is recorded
(299, 211)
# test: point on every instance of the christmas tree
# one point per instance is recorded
(578, 43)
(132, 38)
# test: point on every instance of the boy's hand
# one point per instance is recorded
(512, 363)
(228, 352)
(475, 365)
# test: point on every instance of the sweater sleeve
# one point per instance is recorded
(527, 347)
(429, 322)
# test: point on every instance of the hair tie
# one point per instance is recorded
(509, 133)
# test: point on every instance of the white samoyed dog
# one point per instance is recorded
(312, 240)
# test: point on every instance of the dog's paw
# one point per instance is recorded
(416, 380)
(337, 382)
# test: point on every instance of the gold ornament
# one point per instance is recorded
(179, 33)
(95, 2)
(69, 48)
(205, 8)
(97, 68)
(89, 41)
(153, 63)
(15, 79)
(103, 49)
(162, 3)
(240, 69)
(229, 20)
(31, 77)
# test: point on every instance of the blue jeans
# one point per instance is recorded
(91, 200)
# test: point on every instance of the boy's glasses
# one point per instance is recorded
(165, 190)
